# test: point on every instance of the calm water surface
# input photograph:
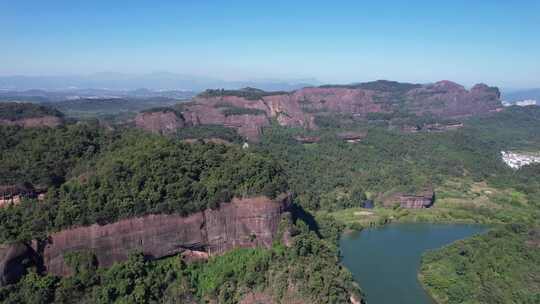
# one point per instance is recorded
(385, 260)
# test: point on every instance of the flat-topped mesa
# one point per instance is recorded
(447, 99)
(28, 115)
(250, 110)
(248, 222)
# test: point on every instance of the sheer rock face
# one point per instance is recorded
(340, 100)
(449, 99)
(33, 122)
(210, 110)
(12, 257)
(249, 222)
(162, 122)
(298, 109)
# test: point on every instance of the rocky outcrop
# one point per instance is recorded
(246, 222)
(247, 116)
(449, 99)
(420, 200)
(13, 260)
(33, 122)
(161, 121)
(250, 110)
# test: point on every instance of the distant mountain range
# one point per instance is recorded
(154, 81)
(41, 95)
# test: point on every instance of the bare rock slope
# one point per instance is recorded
(250, 110)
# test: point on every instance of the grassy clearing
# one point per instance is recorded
(457, 201)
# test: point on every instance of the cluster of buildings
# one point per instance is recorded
(522, 103)
(517, 160)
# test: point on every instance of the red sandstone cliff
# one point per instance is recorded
(444, 99)
(246, 222)
(163, 122)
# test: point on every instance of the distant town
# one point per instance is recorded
(517, 160)
(521, 103)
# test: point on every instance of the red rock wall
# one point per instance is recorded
(159, 122)
(444, 98)
(241, 223)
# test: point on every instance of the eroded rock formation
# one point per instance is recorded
(246, 222)
(163, 122)
(250, 110)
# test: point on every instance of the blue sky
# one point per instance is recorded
(497, 42)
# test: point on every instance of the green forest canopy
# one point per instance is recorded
(98, 176)
(14, 111)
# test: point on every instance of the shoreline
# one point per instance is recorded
(432, 298)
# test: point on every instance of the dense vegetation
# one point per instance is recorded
(326, 174)
(502, 266)
(247, 93)
(308, 270)
(135, 174)
(105, 108)
(379, 85)
(15, 111)
(209, 132)
(45, 156)
(232, 110)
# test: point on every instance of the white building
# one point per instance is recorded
(518, 160)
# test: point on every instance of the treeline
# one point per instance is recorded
(127, 174)
(307, 271)
(230, 110)
(15, 111)
(209, 132)
(502, 266)
(45, 156)
(247, 93)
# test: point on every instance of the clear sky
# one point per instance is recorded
(496, 41)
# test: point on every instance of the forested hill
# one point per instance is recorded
(15, 111)
(328, 174)
(502, 266)
(100, 176)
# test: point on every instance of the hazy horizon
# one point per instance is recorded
(493, 42)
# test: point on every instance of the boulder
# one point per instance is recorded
(14, 259)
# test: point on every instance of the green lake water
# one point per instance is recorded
(385, 260)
